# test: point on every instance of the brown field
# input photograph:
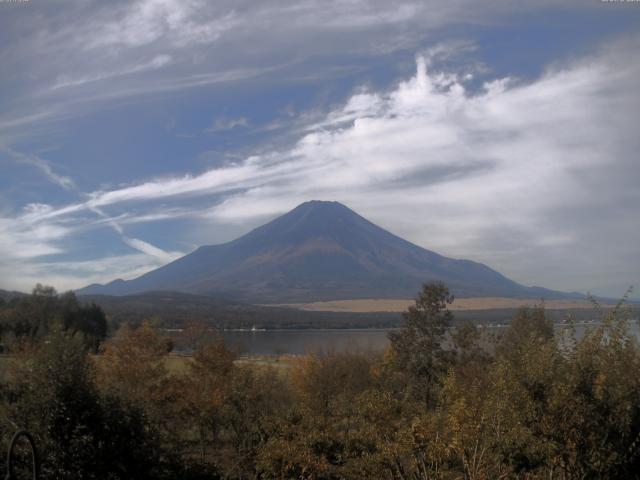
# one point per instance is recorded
(178, 364)
(395, 305)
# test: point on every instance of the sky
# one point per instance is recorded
(132, 132)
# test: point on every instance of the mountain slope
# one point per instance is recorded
(10, 295)
(318, 251)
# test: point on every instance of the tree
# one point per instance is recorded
(418, 345)
(326, 433)
(88, 320)
(29, 319)
(132, 367)
(257, 399)
(79, 433)
(209, 382)
(530, 325)
(594, 409)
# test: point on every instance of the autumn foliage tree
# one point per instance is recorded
(132, 364)
(538, 401)
(79, 433)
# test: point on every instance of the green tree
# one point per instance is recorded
(28, 319)
(418, 346)
(88, 320)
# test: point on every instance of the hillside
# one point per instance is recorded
(8, 295)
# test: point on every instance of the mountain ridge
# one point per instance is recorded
(319, 251)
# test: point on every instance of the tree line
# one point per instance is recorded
(27, 319)
(439, 403)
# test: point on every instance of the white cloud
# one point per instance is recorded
(23, 240)
(151, 250)
(158, 61)
(69, 275)
(33, 250)
(69, 58)
(534, 178)
(29, 159)
(459, 171)
(146, 21)
(135, 243)
(223, 124)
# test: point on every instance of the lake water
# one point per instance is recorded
(298, 342)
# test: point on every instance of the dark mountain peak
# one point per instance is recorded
(321, 205)
(310, 220)
(319, 211)
(320, 208)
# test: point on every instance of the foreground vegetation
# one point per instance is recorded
(533, 406)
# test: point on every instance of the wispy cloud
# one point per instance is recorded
(40, 232)
(22, 240)
(71, 59)
(509, 172)
(30, 159)
(136, 243)
(222, 124)
(506, 173)
(144, 22)
(65, 81)
(33, 250)
(79, 273)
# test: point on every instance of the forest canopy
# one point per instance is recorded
(444, 401)
(31, 318)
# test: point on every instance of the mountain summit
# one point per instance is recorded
(318, 251)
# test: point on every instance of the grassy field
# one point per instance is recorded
(178, 364)
(460, 304)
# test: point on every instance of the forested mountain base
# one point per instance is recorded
(536, 406)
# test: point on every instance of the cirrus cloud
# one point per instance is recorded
(535, 178)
